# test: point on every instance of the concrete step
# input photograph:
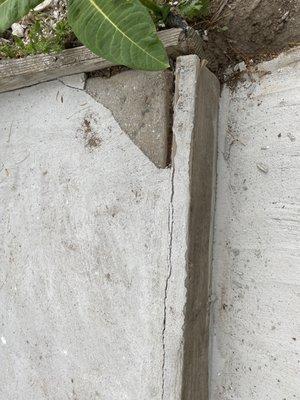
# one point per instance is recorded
(105, 258)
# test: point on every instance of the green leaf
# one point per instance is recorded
(13, 10)
(121, 31)
(192, 9)
(160, 11)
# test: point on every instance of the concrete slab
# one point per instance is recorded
(95, 246)
(256, 274)
(84, 250)
(141, 103)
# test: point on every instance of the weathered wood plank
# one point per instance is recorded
(18, 73)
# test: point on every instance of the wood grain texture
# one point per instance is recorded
(18, 73)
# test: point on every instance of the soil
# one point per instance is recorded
(241, 30)
(250, 31)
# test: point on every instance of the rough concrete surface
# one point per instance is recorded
(93, 245)
(255, 329)
(84, 244)
(141, 102)
(195, 131)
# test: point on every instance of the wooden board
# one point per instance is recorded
(18, 73)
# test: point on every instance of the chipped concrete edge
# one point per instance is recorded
(186, 314)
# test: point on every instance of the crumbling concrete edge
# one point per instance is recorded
(185, 335)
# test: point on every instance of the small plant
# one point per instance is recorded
(38, 41)
(122, 31)
(192, 9)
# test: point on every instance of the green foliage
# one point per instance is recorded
(159, 11)
(193, 9)
(38, 41)
(120, 31)
(13, 10)
(222, 29)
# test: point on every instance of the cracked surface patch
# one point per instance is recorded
(170, 225)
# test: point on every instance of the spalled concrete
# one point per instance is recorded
(255, 328)
(141, 103)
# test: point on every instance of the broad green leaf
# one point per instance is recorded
(13, 10)
(121, 31)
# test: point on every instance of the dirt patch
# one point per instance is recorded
(92, 140)
(238, 30)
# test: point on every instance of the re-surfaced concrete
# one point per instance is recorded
(141, 103)
(96, 248)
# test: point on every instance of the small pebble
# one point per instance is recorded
(42, 6)
(240, 67)
(205, 36)
(17, 30)
(263, 167)
(291, 137)
(55, 14)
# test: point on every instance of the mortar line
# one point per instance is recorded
(170, 228)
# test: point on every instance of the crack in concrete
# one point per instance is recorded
(72, 87)
(171, 225)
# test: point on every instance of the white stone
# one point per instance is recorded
(42, 6)
(17, 30)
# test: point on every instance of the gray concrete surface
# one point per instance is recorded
(93, 245)
(84, 249)
(141, 103)
(255, 329)
(187, 325)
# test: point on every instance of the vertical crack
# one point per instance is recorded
(170, 229)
